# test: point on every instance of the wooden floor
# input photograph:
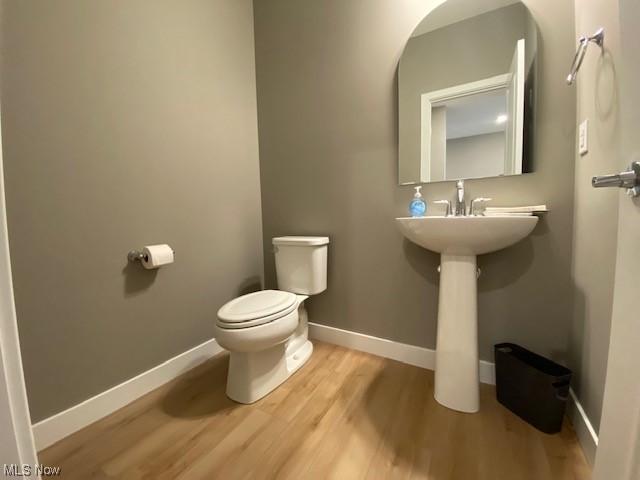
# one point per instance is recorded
(345, 415)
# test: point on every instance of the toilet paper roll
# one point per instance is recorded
(155, 256)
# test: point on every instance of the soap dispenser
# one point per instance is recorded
(417, 207)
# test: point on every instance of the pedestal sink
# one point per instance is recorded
(459, 240)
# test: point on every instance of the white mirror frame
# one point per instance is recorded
(428, 100)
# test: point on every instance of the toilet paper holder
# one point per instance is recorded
(136, 256)
(152, 256)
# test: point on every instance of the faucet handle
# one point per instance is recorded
(447, 203)
(472, 206)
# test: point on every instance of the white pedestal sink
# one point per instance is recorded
(459, 240)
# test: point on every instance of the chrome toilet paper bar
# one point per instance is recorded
(153, 256)
(136, 256)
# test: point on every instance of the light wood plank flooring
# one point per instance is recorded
(345, 415)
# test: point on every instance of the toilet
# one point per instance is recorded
(267, 332)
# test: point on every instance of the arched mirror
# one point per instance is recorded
(467, 93)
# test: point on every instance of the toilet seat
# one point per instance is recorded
(256, 308)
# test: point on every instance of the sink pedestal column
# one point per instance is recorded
(457, 372)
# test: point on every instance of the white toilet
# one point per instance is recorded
(266, 332)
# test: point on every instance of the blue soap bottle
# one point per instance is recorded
(417, 207)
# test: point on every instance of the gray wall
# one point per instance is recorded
(467, 51)
(126, 123)
(476, 156)
(596, 211)
(327, 115)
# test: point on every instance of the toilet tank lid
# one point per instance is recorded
(301, 241)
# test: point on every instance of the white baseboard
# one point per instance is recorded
(402, 352)
(425, 358)
(60, 425)
(585, 432)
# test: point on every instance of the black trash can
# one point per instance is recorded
(531, 386)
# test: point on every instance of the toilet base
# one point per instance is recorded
(252, 375)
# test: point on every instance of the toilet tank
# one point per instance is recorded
(301, 264)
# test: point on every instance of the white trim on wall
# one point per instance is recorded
(429, 99)
(426, 358)
(402, 352)
(16, 431)
(587, 436)
(60, 425)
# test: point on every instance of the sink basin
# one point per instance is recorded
(466, 235)
(459, 240)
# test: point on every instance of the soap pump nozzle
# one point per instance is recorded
(417, 207)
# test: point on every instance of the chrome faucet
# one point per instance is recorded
(461, 208)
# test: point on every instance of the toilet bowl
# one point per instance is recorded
(266, 332)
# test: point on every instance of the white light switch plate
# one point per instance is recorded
(583, 138)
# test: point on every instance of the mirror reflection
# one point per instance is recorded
(467, 93)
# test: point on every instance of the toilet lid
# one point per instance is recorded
(257, 305)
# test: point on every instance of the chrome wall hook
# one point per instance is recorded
(583, 43)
